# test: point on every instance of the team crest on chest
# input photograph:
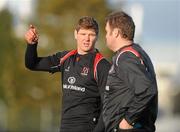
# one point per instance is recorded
(85, 71)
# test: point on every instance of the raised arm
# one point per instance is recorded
(32, 61)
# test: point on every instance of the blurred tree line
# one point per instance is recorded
(31, 101)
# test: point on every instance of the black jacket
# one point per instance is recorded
(131, 91)
(82, 94)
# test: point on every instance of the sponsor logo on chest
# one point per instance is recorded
(70, 86)
(71, 80)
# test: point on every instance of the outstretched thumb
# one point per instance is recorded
(31, 26)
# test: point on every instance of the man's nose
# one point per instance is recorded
(87, 37)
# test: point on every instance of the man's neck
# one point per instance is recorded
(123, 43)
(80, 52)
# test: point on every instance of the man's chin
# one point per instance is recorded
(87, 49)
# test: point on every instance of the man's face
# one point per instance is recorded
(86, 39)
(109, 36)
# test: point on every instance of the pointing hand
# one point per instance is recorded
(31, 35)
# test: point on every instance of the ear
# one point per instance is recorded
(75, 34)
(115, 32)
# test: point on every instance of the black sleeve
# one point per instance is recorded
(102, 73)
(35, 63)
(136, 77)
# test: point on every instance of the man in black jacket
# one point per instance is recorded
(131, 96)
(84, 73)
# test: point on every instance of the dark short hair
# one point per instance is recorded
(88, 22)
(123, 22)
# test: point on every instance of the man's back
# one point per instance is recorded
(131, 84)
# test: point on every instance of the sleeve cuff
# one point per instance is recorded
(132, 122)
(33, 43)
